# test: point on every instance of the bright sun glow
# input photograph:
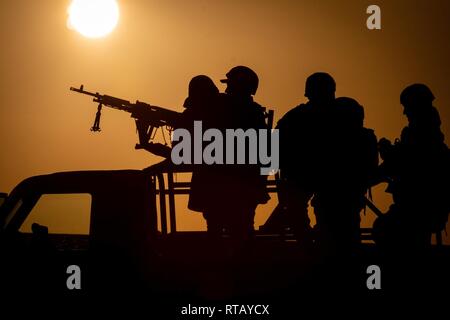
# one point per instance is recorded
(93, 18)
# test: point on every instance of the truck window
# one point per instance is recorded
(61, 213)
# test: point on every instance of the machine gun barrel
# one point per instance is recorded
(81, 90)
(109, 101)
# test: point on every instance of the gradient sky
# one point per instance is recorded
(159, 45)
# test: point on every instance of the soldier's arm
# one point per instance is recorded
(385, 148)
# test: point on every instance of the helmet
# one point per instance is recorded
(416, 94)
(201, 88)
(202, 85)
(320, 84)
(350, 111)
(243, 78)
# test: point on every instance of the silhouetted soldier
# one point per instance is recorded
(327, 155)
(417, 169)
(242, 185)
(302, 137)
(202, 104)
(352, 163)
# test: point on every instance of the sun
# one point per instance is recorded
(93, 18)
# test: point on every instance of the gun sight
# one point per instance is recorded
(81, 90)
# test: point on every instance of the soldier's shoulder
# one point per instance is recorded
(300, 110)
(295, 114)
(370, 136)
(369, 131)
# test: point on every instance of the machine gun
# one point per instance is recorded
(147, 117)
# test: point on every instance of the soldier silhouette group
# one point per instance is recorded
(328, 159)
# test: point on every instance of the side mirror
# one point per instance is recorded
(3, 197)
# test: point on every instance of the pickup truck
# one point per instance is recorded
(131, 245)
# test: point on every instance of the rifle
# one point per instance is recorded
(147, 117)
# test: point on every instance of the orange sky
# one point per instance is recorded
(159, 45)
